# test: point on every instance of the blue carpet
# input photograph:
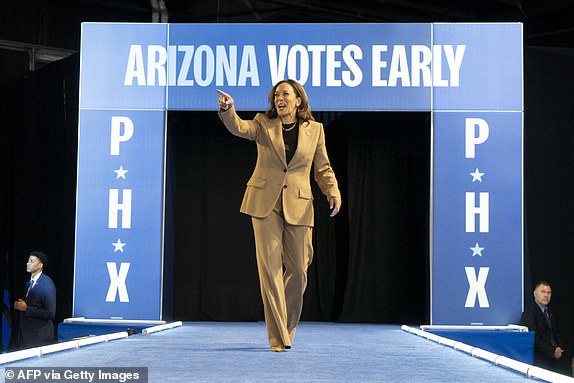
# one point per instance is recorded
(322, 352)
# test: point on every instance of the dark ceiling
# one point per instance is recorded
(36, 32)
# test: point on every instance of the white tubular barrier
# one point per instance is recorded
(116, 335)
(549, 376)
(499, 360)
(19, 355)
(510, 327)
(58, 347)
(513, 364)
(114, 321)
(518, 327)
(162, 327)
(433, 337)
(92, 340)
(483, 354)
(424, 334)
(73, 344)
(101, 338)
(463, 347)
(448, 342)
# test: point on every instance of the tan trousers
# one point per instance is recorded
(284, 252)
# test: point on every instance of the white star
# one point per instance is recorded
(119, 246)
(476, 250)
(476, 176)
(121, 173)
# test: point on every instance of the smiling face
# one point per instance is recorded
(286, 103)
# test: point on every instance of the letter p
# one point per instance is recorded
(117, 136)
(472, 138)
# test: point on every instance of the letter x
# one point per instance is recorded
(118, 282)
(476, 287)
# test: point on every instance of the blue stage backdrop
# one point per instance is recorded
(469, 76)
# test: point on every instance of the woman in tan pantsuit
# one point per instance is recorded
(279, 199)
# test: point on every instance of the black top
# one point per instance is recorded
(290, 138)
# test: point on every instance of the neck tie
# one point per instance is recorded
(547, 316)
(30, 285)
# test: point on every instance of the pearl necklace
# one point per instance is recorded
(291, 127)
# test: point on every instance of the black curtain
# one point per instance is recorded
(548, 181)
(215, 276)
(370, 262)
(38, 147)
(388, 205)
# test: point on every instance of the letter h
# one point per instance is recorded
(125, 207)
(482, 210)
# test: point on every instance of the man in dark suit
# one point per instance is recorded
(548, 346)
(38, 308)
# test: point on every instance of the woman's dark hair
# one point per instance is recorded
(303, 111)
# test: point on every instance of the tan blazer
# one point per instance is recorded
(272, 174)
